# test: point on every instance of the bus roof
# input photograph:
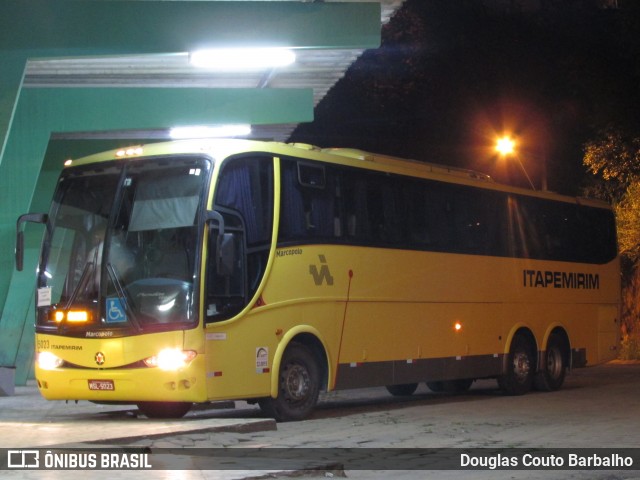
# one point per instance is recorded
(222, 148)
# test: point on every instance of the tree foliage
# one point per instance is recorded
(615, 155)
(615, 158)
(628, 220)
(630, 345)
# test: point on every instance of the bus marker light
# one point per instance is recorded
(129, 152)
(49, 361)
(58, 316)
(457, 327)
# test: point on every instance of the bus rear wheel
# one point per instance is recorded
(298, 386)
(402, 390)
(554, 368)
(164, 409)
(518, 378)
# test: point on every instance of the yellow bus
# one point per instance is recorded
(189, 271)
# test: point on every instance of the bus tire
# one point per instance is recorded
(518, 377)
(298, 386)
(164, 409)
(554, 367)
(402, 390)
(451, 386)
(436, 387)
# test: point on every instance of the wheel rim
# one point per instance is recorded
(554, 363)
(521, 366)
(296, 383)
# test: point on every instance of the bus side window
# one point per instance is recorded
(415, 214)
(437, 209)
(244, 197)
(308, 202)
(597, 241)
(475, 209)
(382, 206)
(355, 208)
(540, 229)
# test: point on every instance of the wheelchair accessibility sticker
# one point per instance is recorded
(115, 311)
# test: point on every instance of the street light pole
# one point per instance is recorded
(543, 174)
(527, 175)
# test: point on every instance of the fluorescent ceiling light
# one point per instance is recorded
(210, 132)
(242, 58)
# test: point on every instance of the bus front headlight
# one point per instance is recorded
(171, 359)
(48, 361)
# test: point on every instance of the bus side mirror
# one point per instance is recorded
(19, 251)
(27, 217)
(226, 254)
(225, 245)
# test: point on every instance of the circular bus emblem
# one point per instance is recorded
(99, 358)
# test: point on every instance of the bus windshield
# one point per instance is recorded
(121, 247)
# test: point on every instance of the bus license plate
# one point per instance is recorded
(101, 385)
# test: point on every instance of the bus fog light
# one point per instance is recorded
(48, 361)
(171, 359)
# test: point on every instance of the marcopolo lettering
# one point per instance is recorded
(556, 279)
(290, 251)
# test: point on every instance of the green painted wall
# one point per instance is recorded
(68, 28)
(29, 188)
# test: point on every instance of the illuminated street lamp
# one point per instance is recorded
(506, 146)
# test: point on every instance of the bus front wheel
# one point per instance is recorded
(518, 377)
(298, 386)
(164, 409)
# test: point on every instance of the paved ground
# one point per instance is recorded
(598, 407)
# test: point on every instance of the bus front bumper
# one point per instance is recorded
(124, 385)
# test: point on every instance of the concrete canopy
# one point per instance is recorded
(46, 29)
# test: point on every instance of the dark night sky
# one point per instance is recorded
(452, 74)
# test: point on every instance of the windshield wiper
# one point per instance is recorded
(124, 296)
(82, 284)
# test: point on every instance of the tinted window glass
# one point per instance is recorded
(364, 207)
